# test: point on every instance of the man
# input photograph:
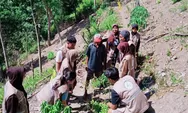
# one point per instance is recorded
(127, 92)
(96, 58)
(71, 43)
(135, 38)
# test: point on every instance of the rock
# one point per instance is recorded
(174, 58)
(163, 74)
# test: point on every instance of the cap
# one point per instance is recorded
(125, 34)
(97, 38)
(134, 26)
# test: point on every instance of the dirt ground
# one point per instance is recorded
(168, 52)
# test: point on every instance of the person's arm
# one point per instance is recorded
(138, 44)
(59, 58)
(11, 104)
(88, 55)
(104, 57)
(123, 68)
(115, 100)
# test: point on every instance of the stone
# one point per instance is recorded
(174, 58)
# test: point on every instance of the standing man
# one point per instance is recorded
(135, 38)
(126, 91)
(61, 54)
(96, 59)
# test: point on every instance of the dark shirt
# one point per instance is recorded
(115, 99)
(11, 104)
(96, 57)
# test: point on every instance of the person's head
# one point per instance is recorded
(124, 36)
(72, 55)
(97, 39)
(134, 28)
(15, 76)
(131, 48)
(111, 39)
(71, 42)
(70, 77)
(123, 48)
(112, 74)
(115, 28)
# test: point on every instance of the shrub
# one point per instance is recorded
(50, 55)
(139, 16)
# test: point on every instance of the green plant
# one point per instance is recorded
(99, 107)
(99, 82)
(50, 55)
(56, 108)
(184, 6)
(139, 16)
(168, 53)
(174, 1)
(158, 1)
(174, 79)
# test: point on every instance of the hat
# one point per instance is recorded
(125, 34)
(115, 25)
(97, 38)
(134, 26)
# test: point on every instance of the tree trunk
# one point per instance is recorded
(49, 26)
(38, 40)
(4, 52)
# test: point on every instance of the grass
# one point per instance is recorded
(30, 83)
(168, 53)
(175, 80)
(149, 66)
(158, 1)
(139, 16)
(183, 6)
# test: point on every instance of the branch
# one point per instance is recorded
(182, 35)
(156, 37)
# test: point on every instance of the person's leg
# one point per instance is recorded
(89, 77)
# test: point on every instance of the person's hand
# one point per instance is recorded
(109, 104)
(70, 92)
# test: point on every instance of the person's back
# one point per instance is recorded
(131, 95)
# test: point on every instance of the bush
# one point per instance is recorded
(50, 55)
(99, 107)
(139, 16)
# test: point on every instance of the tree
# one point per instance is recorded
(4, 52)
(37, 35)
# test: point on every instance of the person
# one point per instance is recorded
(123, 48)
(112, 51)
(124, 36)
(69, 65)
(128, 63)
(115, 29)
(15, 96)
(126, 96)
(95, 60)
(56, 88)
(135, 38)
(61, 54)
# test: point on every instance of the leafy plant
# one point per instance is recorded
(174, 79)
(168, 53)
(174, 1)
(56, 108)
(99, 107)
(102, 81)
(50, 55)
(139, 16)
(184, 6)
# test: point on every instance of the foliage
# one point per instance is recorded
(99, 107)
(168, 53)
(158, 1)
(56, 108)
(174, 79)
(50, 55)
(174, 1)
(101, 81)
(183, 6)
(139, 16)
(1, 93)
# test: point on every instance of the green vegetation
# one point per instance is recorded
(168, 53)
(102, 21)
(50, 55)
(183, 6)
(102, 81)
(158, 1)
(174, 79)
(1, 93)
(56, 108)
(139, 16)
(99, 107)
(174, 1)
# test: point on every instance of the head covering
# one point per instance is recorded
(15, 76)
(123, 47)
(97, 38)
(125, 34)
(111, 37)
(134, 26)
(72, 55)
(115, 25)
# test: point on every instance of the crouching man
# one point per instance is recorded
(127, 92)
